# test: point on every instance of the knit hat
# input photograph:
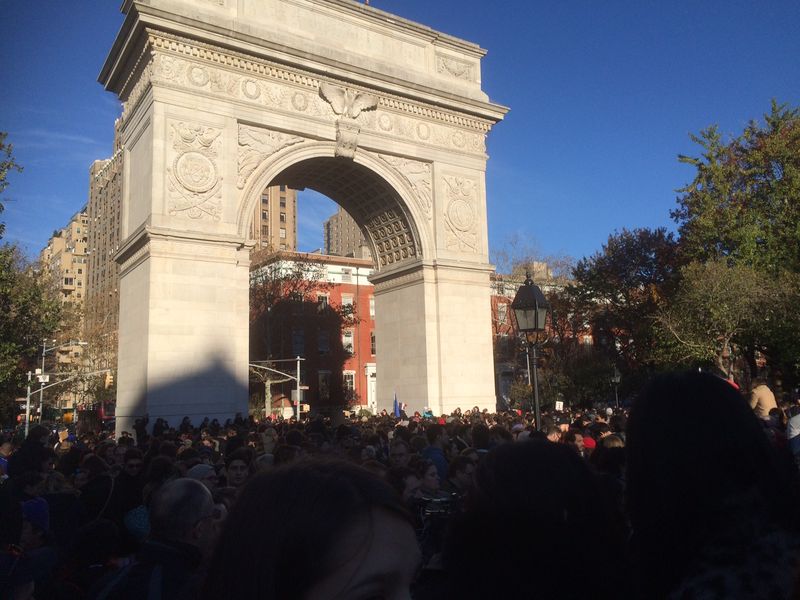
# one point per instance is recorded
(198, 472)
(588, 442)
(37, 512)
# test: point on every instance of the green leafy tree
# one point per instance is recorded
(744, 201)
(716, 307)
(621, 290)
(7, 164)
(30, 311)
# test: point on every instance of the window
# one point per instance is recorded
(265, 230)
(347, 275)
(283, 202)
(347, 341)
(283, 217)
(372, 345)
(502, 312)
(372, 308)
(347, 299)
(324, 342)
(265, 200)
(80, 271)
(324, 379)
(264, 214)
(283, 233)
(349, 384)
(69, 281)
(298, 342)
(282, 188)
(283, 246)
(322, 301)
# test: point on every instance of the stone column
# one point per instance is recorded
(434, 337)
(183, 327)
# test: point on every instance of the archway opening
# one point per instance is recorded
(321, 305)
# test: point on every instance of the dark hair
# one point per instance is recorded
(278, 538)
(541, 502)
(433, 432)
(480, 436)
(459, 464)
(681, 493)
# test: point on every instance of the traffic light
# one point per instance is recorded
(109, 380)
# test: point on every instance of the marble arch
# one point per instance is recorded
(385, 116)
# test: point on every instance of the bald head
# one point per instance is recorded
(177, 507)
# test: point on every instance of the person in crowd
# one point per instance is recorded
(762, 400)
(406, 483)
(436, 436)
(460, 480)
(574, 439)
(714, 513)
(205, 474)
(399, 453)
(183, 529)
(314, 530)
(527, 521)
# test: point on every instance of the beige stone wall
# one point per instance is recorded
(384, 116)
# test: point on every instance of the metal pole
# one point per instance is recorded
(28, 406)
(616, 394)
(297, 385)
(528, 359)
(41, 383)
(536, 391)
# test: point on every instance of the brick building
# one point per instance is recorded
(322, 309)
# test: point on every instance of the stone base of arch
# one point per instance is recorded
(434, 349)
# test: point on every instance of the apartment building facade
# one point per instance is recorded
(274, 223)
(343, 237)
(328, 320)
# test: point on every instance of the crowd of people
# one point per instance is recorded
(691, 493)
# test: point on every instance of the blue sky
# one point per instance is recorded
(603, 96)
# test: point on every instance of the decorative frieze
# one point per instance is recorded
(193, 177)
(461, 214)
(191, 65)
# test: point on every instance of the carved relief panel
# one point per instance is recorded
(194, 180)
(460, 213)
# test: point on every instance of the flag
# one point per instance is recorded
(396, 406)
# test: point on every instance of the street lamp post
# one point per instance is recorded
(530, 311)
(43, 379)
(615, 379)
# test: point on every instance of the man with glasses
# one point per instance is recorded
(399, 453)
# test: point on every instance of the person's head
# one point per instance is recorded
(553, 433)
(205, 474)
(472, 455)
(574, 439)
(133, 462)
(677, 489)
(428, 475)
(237, 467)
(399, 453)
(35, 523)
(405, 482)
(462, 471)
(480, 436)
(436, 435)
(182, 510)
(557, 506)
(314, 530)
